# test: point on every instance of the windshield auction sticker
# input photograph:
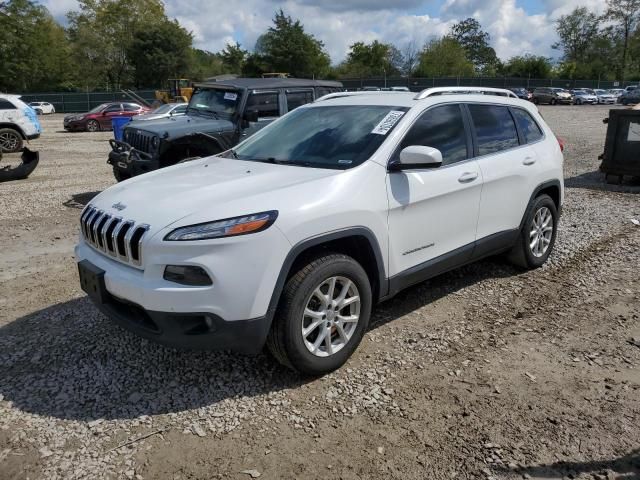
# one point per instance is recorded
(387, 122)
(230, 96)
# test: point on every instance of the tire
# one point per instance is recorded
(10, 140)
(523, 254)
(578, 102)
(536, 101)
(286, 341)
(92, 126)
(552, 101)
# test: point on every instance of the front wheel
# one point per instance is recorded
(93, 126)
(552, 102)
(323, 314)
(538, 234)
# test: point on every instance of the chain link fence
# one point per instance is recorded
(83, 102)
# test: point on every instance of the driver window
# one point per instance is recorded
(266, 103)
(443, 128)
(113, 108)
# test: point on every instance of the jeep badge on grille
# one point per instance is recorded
(119, 206)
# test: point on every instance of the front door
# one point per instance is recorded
(433, 213)
(114, 110)
(267, 104)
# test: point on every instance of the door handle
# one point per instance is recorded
(529, 161)
(467, 177)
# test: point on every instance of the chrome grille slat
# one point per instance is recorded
(98, 228)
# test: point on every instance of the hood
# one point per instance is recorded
(149, 116)
(181, 125)
(208, 189)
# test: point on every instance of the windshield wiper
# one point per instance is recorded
(215, 114)
(276, 161)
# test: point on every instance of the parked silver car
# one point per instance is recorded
(580, 97)
(604, 97)
(163, 111)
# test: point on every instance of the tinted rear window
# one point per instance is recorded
(495, 130)
(529, 128)
(6, 105)
(296, 99)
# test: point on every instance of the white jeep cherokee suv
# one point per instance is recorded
(292, 237)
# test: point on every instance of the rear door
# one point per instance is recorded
(434, 212)
(504, 139)
(298, 97)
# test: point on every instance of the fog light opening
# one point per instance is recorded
(190, 275)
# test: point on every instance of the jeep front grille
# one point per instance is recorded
(139, 140)
(118, 238)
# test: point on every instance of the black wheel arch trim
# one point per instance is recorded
(15, 127)
(543, 186)
(304, 245)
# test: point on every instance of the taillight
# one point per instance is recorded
(561, 143)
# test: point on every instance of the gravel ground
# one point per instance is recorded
(485, 372)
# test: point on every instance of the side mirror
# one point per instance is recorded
(251, 116)
(417, 157)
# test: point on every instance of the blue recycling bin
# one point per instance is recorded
(118, 124)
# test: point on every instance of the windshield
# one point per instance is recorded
(338, 137)
(99, 108)
(214, 101)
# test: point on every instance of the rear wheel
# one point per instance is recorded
(323, 313)
(538, 234)
(10, 140)
(93, 126)
(578, 101)
(535, 100)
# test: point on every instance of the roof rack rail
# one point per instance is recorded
(503, 92)
(353, 94)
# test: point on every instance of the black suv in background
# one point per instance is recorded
(219, 115)
(632, 96)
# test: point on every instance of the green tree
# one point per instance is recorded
(373, 59)
(204, 64)
(577, 31)
(475, 42)
(34, 52)
(159, 52)
(102, 32)
(626, 14)
(286, 47)
(444, 57)
(233, 57)
(527, 66)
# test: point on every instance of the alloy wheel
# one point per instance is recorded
(9, 141)
(92, 126)
(541, 232)
(330, 316)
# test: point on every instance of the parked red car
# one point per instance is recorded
(100, 117)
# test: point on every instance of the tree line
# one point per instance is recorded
(113, 44)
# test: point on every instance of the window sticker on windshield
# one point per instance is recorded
(634, 132)
(230, 96)
(387, 122)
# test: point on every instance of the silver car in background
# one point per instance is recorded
(605, 97)
(163, 111)
(582, 96)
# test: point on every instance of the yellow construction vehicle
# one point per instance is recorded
(179, 90)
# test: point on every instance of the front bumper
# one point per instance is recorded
(129, 160)
(189, 330)
(565, 101)
(74, 125)
(33, 136)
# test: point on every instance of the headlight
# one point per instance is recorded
(229, 227)
(155, 141)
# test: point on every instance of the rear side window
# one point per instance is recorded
(442, 128)
(296, 99)
(495, 130)
(131, 107)
(113, 108)
(6, 105)
(265, 103)
(529, 128)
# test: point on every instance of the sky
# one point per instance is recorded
(516, 27)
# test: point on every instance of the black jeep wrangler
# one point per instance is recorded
(219, 115)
